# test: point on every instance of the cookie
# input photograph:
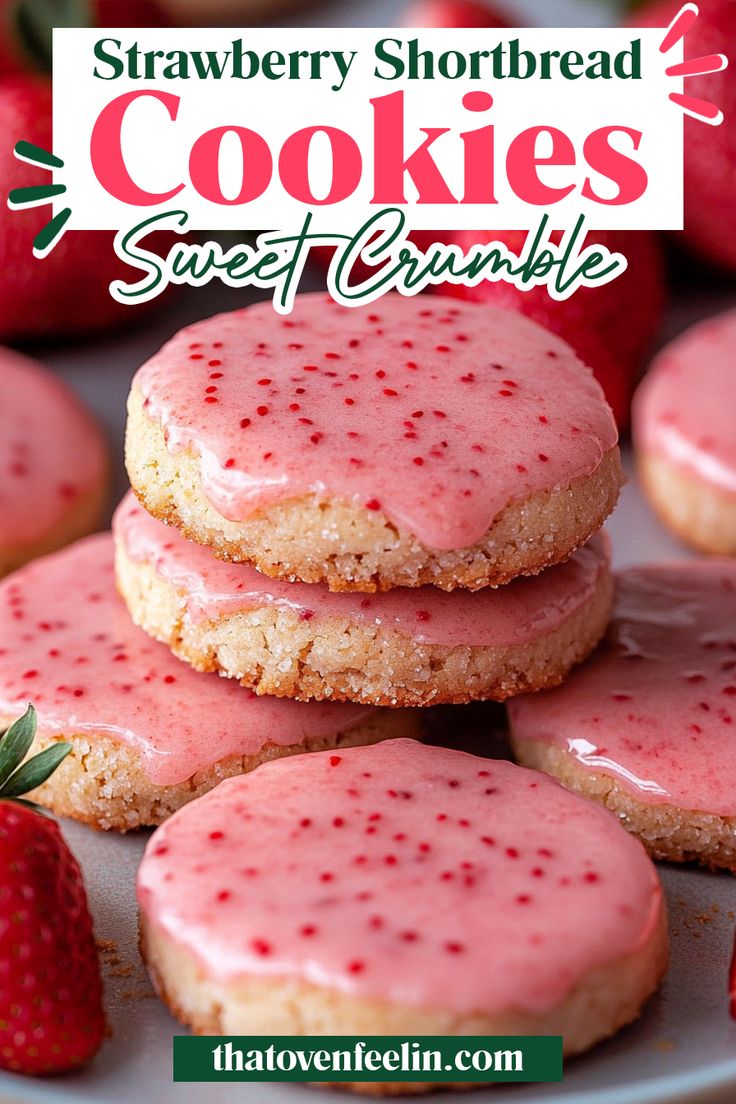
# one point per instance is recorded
(648, 725)
(684, 421)
(147, 732)
(412, 441)
(403, 647)
(53, 463)
(401, 889)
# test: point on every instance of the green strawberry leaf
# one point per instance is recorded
(15, 743)
(35, 771)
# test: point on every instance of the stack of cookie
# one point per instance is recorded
(353, 498)
(356, 500)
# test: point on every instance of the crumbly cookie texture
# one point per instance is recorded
(667, 832)
(604, 1001)
(273, 650)
(101, 782)
(349, 547)
(699, 513)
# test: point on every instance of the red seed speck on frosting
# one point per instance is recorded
(655, 709)
(407, 903)
(490, 382)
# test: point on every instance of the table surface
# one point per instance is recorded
(683, 1049)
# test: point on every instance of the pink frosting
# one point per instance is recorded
(685, 410)
(656, 707)
(68, 645)
(51, 452)
(522, 611)
(416, 874)
(437, 413)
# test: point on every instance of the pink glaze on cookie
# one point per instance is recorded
(51, 452)
(414, 874)
(656, 706)
(685, 410)
(437, 413)
(515, 614)
(68, 645)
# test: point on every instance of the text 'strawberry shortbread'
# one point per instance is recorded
(400, 890)
(648, 725)
(53, 463)
(685, 434)
(408, 646)
(147, 732)
(412, 441)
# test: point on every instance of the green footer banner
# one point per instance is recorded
(368, 1058)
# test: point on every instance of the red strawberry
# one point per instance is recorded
(66, 294)
(51, 1015)
(454, 13)
(26, 27)
(610, 327)
(710, 152)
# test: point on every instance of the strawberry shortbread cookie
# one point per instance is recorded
(147, 732)
(400, 890)
(685, 434)
(412, 441)
(53, 463)
(647, 726)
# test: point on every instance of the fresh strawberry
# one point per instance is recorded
(66, 294)
(610, 327)
(710, 152)
(51, 1015)
(454, 13)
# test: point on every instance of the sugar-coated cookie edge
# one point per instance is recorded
(101, 781)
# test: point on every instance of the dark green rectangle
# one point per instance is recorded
(368, 1058)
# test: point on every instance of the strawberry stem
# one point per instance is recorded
(18, 777)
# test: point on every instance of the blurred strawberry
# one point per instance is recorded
(454, 13)
(610, 327)
(26, 26)
(710, 152)
(66, 294)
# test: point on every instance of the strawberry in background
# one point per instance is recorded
(610, 327)
(26, 25)
(455, 13)
(710, 152)
(65, 294)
